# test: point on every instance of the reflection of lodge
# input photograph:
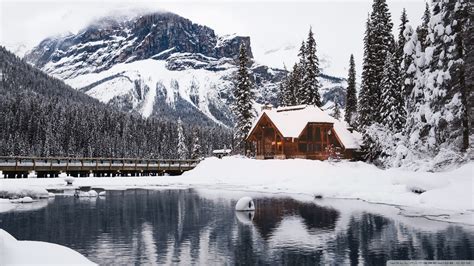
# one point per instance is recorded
(301, 132)
(271, 212)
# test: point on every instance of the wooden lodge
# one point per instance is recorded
(301, 132)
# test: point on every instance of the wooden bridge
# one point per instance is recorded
(21, 167)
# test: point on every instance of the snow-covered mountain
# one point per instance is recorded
(159, 64)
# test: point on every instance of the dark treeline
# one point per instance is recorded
(42, 116)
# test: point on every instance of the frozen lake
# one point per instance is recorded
(201, 227)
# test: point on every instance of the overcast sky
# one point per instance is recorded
(276, 28)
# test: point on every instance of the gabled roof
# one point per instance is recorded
(291, 121)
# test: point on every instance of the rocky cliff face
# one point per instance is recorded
(157, 64)
(111, 41)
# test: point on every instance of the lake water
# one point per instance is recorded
(191, 227)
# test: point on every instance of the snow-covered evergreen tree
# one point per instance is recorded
(293, 86)
(446, 75)
(392, 107)
(310, 84)
(378, 43)
(282, 89)
(351, 97)
(365, 97)
(422, 30)
(401, 36)
(299, 75)
(196, 151)
(243, 101)
(282, 92)
(382, 43)
(336, 112)
(411, 52)
(182, 149)
(399, 53)
(437, 125)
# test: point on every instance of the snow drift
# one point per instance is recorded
(451, 190)
(36, 252)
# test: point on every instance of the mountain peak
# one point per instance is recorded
(118, 39)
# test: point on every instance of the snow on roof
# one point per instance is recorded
(291, 120)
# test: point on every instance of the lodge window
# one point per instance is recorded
(302, 147)
(317, 147)
(279, 143)
(314, 147)
(317, 134)
(315, 138)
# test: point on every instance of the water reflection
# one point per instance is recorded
(181, 226)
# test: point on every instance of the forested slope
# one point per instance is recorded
(42, 116)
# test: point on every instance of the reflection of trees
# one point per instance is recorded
(374, 239)
(271, 211)
(145, 226)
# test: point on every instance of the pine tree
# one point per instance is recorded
(382, 44)
(378, 43)
(286, 95)
(293, 86)
(299, 75)
(469, 71)
(401, 36)
(282, 88)
(399, 54)
(351, 97)
(336, 113)
(438, 119)
(448, 97)
(282, 92)
(422, 31)
(393, 104)
(243, 100)
(310, 84)
(411, 50)
(182, 149)
(365, 96)
(196, 150)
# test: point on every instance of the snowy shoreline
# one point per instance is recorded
(38, 252)
(447, 196)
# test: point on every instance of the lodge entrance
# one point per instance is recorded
(269, 149)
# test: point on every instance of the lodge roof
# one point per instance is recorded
(290, 122)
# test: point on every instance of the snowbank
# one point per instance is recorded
(449, 192)
(35, 252)
(11, 191)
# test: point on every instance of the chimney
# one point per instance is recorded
(267, 106)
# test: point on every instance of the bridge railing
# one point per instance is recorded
(24, 163)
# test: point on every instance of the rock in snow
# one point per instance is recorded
(93, 193)
(14, 252)
(23, 200)
(245, 204)
(69, 180)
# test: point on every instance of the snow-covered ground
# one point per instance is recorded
(14, 252)
(447, 196)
